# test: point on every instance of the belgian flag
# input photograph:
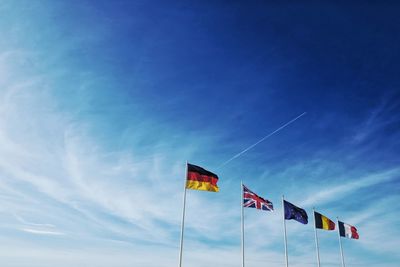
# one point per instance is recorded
(323, 222)
(201, 179)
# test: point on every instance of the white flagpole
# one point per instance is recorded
(183, 216)
(284, 230)
(242, 221)
(316, 239)
(340, 242)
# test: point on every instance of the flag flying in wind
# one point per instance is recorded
(294, 212)
(201, 179)
(252, 200)
(323, 222)
(347, 230)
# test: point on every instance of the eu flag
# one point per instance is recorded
(295, 213)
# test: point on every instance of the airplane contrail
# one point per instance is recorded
(262, 139)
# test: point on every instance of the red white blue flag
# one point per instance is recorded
(347, 230)
(252, 200)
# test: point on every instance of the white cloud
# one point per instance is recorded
(41, 232)
(335, 192)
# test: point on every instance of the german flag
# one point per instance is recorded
(201, 179)
(322, 222)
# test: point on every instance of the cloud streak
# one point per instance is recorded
(41, 232)
(335, 192)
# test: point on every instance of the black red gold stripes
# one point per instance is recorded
(199, 178)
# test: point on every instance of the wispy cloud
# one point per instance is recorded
(20, 219)
(41, 232)
(114, 191)
(335, 192)
(382, 116)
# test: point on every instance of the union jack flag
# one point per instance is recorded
(252, 200)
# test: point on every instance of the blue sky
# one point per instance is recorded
(102, 102)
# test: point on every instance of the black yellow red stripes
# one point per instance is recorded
(323, 222)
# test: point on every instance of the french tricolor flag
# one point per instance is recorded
(347, 230)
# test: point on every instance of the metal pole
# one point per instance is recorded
(316, 240)
(183, 217)
(340, 242)
(242, 221)
(284, 231)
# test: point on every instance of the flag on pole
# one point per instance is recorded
(201, 179)
(347, 230)
(323, 222)
(252, 200)
(295, 213)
